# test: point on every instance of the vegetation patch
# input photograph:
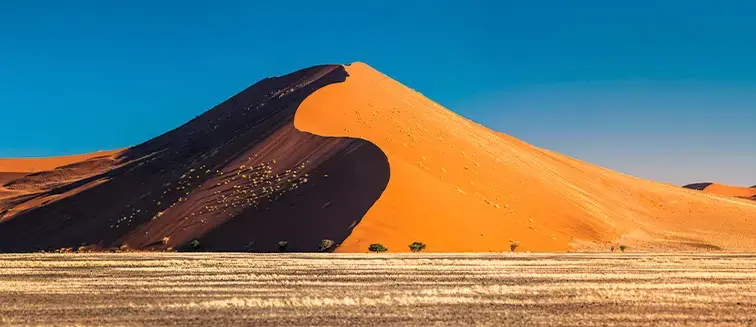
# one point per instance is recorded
(282, 246)
(326, 245)
(417, 246)
(376, 247)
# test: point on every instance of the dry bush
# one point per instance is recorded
(282, 245)
(376, 247)
(326, 245)
(417, 246)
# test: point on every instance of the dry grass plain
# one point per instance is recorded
(210, 289)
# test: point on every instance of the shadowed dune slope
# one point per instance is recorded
(239, 177)
(458, 186)
(698, 186)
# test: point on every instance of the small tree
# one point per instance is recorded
(623, 248)
(417, 246)
(325, 245)
(375, 247)
(195, 244)
(282, 245)
(513, 246)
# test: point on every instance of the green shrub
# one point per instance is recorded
(417, 246)
(375, 247)
(282, 245)
(325, 245)
(194, 244)
(623, 248)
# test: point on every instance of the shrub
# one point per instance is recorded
(194, 244)
(623, 248)
(417, 246)
(513, 246)
(325, 245)
(375, 247)
(282, 245)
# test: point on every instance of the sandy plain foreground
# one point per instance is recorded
(156, 289)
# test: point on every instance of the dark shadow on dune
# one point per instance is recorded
(238, 177)
(323, 208)
(698, 186)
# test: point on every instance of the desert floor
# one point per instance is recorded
(377, 289)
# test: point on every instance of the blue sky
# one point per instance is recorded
(657, 89)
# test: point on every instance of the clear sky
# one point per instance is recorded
(657, 89)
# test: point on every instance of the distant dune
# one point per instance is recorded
(30, 165)
(348, 154)
(726, 190)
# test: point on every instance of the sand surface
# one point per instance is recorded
(742, 192)
(458, 186)
(30, 165)
(622, 289)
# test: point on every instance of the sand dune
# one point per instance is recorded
(239, 177)
(20, 178)
(31, 165)
(726, 190)
(348, 154)
(458, 186)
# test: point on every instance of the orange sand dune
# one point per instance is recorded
(458, 186)
(30, 165)
(726, 190)
(347, 154)
(24, 176)
(239, 177)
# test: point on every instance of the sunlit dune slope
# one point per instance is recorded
(458, 186)
(725, 190)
